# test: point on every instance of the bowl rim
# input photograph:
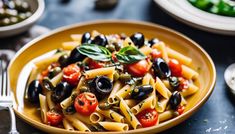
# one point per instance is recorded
(35, 16)
(132, 22)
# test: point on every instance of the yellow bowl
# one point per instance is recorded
(53, 40)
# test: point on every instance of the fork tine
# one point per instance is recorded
(1, 73)
(7, 85)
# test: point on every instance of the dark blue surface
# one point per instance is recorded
(217, 116)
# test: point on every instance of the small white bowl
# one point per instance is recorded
(37, 7)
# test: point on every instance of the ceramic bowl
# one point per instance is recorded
(37, 7)
(53, 40)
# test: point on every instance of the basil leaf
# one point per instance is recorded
(129, 55)
(95, 52)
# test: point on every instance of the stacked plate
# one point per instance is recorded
(187, 13)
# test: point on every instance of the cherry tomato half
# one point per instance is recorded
(175, 67)
(148, 117)
(180, 109)
(71, 74)
(156, 54)
(85, 103)
(95, 64)
(139, 68)
(54, 118)
(184, 84)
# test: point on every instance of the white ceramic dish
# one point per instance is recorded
(37, 7)
(185, 12)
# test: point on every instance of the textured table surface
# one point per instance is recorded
(218, 113)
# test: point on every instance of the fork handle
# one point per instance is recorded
(13, 121)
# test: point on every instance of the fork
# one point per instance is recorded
(5, 96)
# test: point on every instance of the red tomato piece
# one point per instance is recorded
(71, 74)
(54, 118)
(175, 67)
(139, 68)
(95, 64)
(180, 109)
(156, 54)
(85, 103)
(148, 117)
(184, 84)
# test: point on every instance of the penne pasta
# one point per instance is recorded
(192, 89)
(114, 126)
(128, 42)
(145, 50)
(66, 103)
(47, 61)
(96, 117)
(146, 79)
(124, 92)
(50, 103)
(149, 102)
(76, 37)
(111, 115)
(117, 85)
(43, 107)
(56, 79)
(99, 72)
(178, 56)
(161, 105)
(166, 115)
(129, 115)
(67, 125)
(161, 88)
(130, 102)
(70, 45)
(189, 73)
(77, 124)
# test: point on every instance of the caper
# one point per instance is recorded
(84, 89)
(115, 76)
(104, 105)
(125, 77)
(110, 47)
(117, 46)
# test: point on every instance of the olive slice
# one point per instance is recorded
(101, 86)
(161, 69)
(138, 39)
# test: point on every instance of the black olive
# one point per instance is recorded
(175, 99)
(75, 56)
(63, 60)
(141, 92)
(46, 84)
(138, 39)
(53, 72)
(61, 92)
(70, 109)
(86, 38)
(174, 82)
(153, 41)
(34, 90)
(100, 40)
(161, 68)
(101, 86)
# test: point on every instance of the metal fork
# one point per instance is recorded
(5, 96)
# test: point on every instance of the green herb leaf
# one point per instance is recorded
(95, 52)
(129, 55)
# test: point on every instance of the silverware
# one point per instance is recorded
(5, 95)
